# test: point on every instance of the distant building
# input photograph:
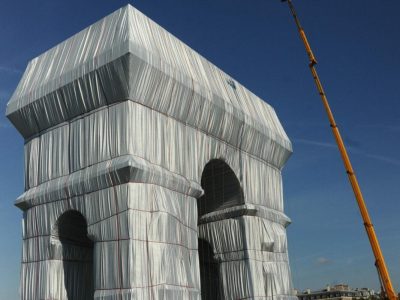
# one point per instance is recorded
(337, 292)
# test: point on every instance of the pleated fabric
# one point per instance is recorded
(120, 121)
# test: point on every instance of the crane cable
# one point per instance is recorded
(380, 262)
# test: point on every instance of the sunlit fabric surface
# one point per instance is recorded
(149, 172)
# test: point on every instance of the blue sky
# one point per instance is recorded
(357, 44)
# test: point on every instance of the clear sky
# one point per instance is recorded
(357, 44)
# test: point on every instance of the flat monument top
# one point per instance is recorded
(128, 31)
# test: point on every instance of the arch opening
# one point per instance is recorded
(221, 190)
(76, 252)
(209, 272)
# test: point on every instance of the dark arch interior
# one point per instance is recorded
(77, 255)
(221, 188)
(209, 272)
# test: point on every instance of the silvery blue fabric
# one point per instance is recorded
(119, 123)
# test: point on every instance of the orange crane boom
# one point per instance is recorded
(379, 260)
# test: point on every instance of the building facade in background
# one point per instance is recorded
(338, 292)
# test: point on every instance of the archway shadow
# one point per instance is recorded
(221, 190)
(209, 272)
(77, 255)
